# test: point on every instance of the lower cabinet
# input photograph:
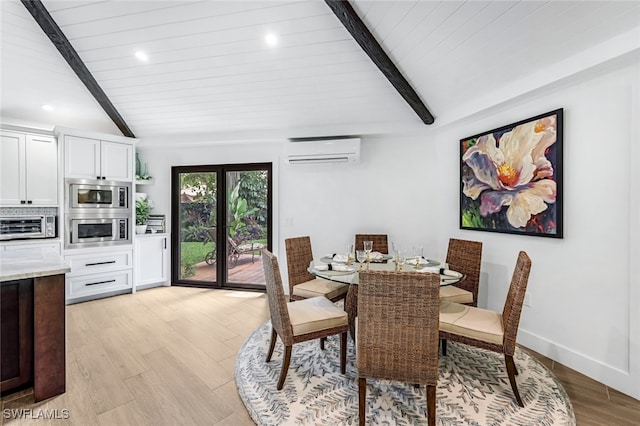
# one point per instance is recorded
(151, 259)
(96, 273)
(16, 333)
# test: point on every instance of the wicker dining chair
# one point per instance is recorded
(463, 256)
(488, 329)
(300, 321)
(380, 242)
(397, 332)
(302, 284)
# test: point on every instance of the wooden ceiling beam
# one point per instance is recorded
(60, 41)
(359, 31)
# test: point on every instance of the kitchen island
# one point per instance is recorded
(32, 308)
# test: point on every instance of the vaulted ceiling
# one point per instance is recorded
(209, 70)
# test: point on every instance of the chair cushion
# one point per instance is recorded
(320, 287)
(477, 323)
(451, 293)
(315, 314)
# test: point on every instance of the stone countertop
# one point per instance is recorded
(32, 264)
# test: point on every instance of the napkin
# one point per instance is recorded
(340, 258)
(333, 267)
(442, 271)
(376, 256)
(412, 261)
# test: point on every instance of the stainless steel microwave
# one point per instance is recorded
(88, 195)
(32, 226)
(99, 230)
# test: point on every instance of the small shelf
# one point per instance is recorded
(144, 181)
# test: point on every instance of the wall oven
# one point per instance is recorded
(23, 227)
(97, 230)
(85, 195)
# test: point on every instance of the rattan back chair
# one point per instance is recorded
(299, 257)
(295, 322)
(466, 256)
(380, 242)
(487, 329)
(397, 331)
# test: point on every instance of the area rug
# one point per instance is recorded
(473, 389)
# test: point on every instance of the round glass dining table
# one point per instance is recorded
(348, 274)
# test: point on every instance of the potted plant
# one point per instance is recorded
(142, 214)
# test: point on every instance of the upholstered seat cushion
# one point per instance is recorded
(451, 293)
(468, 321)
(315, 314)
(320, 287)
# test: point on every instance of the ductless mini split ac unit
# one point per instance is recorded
(323, 150)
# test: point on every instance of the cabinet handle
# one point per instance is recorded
(29, 202)
(165, 243)
(101, 282)
(99, 263)
(23, 202)
(98, 177)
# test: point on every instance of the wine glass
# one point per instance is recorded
(417, 253)
(368, 248)
(400, 258)
(349, 252)
(361, 255)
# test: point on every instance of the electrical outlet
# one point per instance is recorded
(527, 300)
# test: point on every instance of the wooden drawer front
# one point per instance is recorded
(83, 264)
(87, 285)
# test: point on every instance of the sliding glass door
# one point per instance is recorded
(221, 220)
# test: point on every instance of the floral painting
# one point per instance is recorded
(511, 178)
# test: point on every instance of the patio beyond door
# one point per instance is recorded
(221, 219)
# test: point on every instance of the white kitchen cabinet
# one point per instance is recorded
(88, 158)
(28, 246)
(28, 169)
(95, 273)
(151, 259)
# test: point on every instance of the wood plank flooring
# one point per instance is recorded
(166, 356)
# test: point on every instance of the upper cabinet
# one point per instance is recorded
(88, 158)
(28, 169)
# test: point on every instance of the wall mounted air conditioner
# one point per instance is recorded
(323, 150)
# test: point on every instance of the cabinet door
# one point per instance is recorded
(16, 333)
(151, 259)
(12, 164)
(42, 170)
(117, 161)
(81, 158)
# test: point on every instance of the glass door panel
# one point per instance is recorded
(198, 225)
(221, 219)
(247, 225)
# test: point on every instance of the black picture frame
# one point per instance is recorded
(511, 178)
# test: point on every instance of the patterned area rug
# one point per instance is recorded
(473, 389)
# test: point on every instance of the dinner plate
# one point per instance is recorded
(333, 272)
(424, 262)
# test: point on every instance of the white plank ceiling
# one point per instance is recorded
(210, 71)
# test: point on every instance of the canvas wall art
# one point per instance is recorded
(511, 178)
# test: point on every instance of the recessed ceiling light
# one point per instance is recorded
(142, 56)
(271, 39)
(47, 107)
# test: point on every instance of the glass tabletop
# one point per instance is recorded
(351, 275)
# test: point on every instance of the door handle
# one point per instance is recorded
(101, 282)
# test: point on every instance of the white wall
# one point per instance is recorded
(583, 288)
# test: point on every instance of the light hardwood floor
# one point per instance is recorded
(166, 356)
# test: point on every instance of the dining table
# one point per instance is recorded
(335, 267)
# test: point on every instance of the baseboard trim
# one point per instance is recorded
(609, 375)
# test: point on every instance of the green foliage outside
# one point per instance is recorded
(194, 252)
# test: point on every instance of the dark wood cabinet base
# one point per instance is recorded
(49, 365)
(33, 336)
